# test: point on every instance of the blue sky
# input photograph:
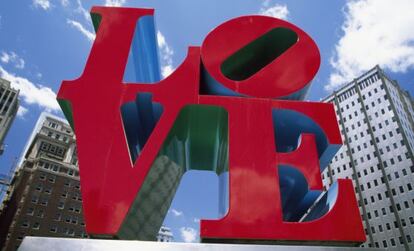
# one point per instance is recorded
(43, 42)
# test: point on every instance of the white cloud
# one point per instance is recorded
(44, 4)
(176, 212)
(274, 10)
(75, 24)
(115, 3)
(64, 3)
(166, 70)
(166, 53)
(81, 10)
(196, 220)
(22, 111)
(32, 93)
(13, 58)
(374, 32)
(188, 234)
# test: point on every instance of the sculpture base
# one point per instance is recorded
(31, 243)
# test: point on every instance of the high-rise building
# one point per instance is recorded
(9, 105)
(376, 121)
(4, 183)
(165, 234)
(44, 197)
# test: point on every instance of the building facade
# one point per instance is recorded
(9, 105)
(44, 197)
(376, 121)
(165, 234)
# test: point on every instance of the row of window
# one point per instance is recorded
(57, 136)
(66, 231)
(52, 149)
(392, 241)
(368, 81)
(57, 169)
(59, 126)
(44, 200)
(397, 205)
(362, 85)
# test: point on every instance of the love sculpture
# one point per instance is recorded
(232, 106)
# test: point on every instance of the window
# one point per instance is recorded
(55, 168)
(53, 229)
(58, 217)
(44, 201)
(35, 199)
(71, 232)
(40, 213)
(39, 187)
(52, 179)
(67, 219)
(25, 224)
(48, 190)
(61, 205)
(44, 146)
(30, 211)
(36, 225)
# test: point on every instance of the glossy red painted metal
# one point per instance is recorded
(287, 74)
(255, 209)
(110, 182)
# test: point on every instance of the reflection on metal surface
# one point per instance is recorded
(224, 109)
(197, 141)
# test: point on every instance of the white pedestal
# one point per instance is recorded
(69, 244)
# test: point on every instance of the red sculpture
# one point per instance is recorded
(232, 79)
